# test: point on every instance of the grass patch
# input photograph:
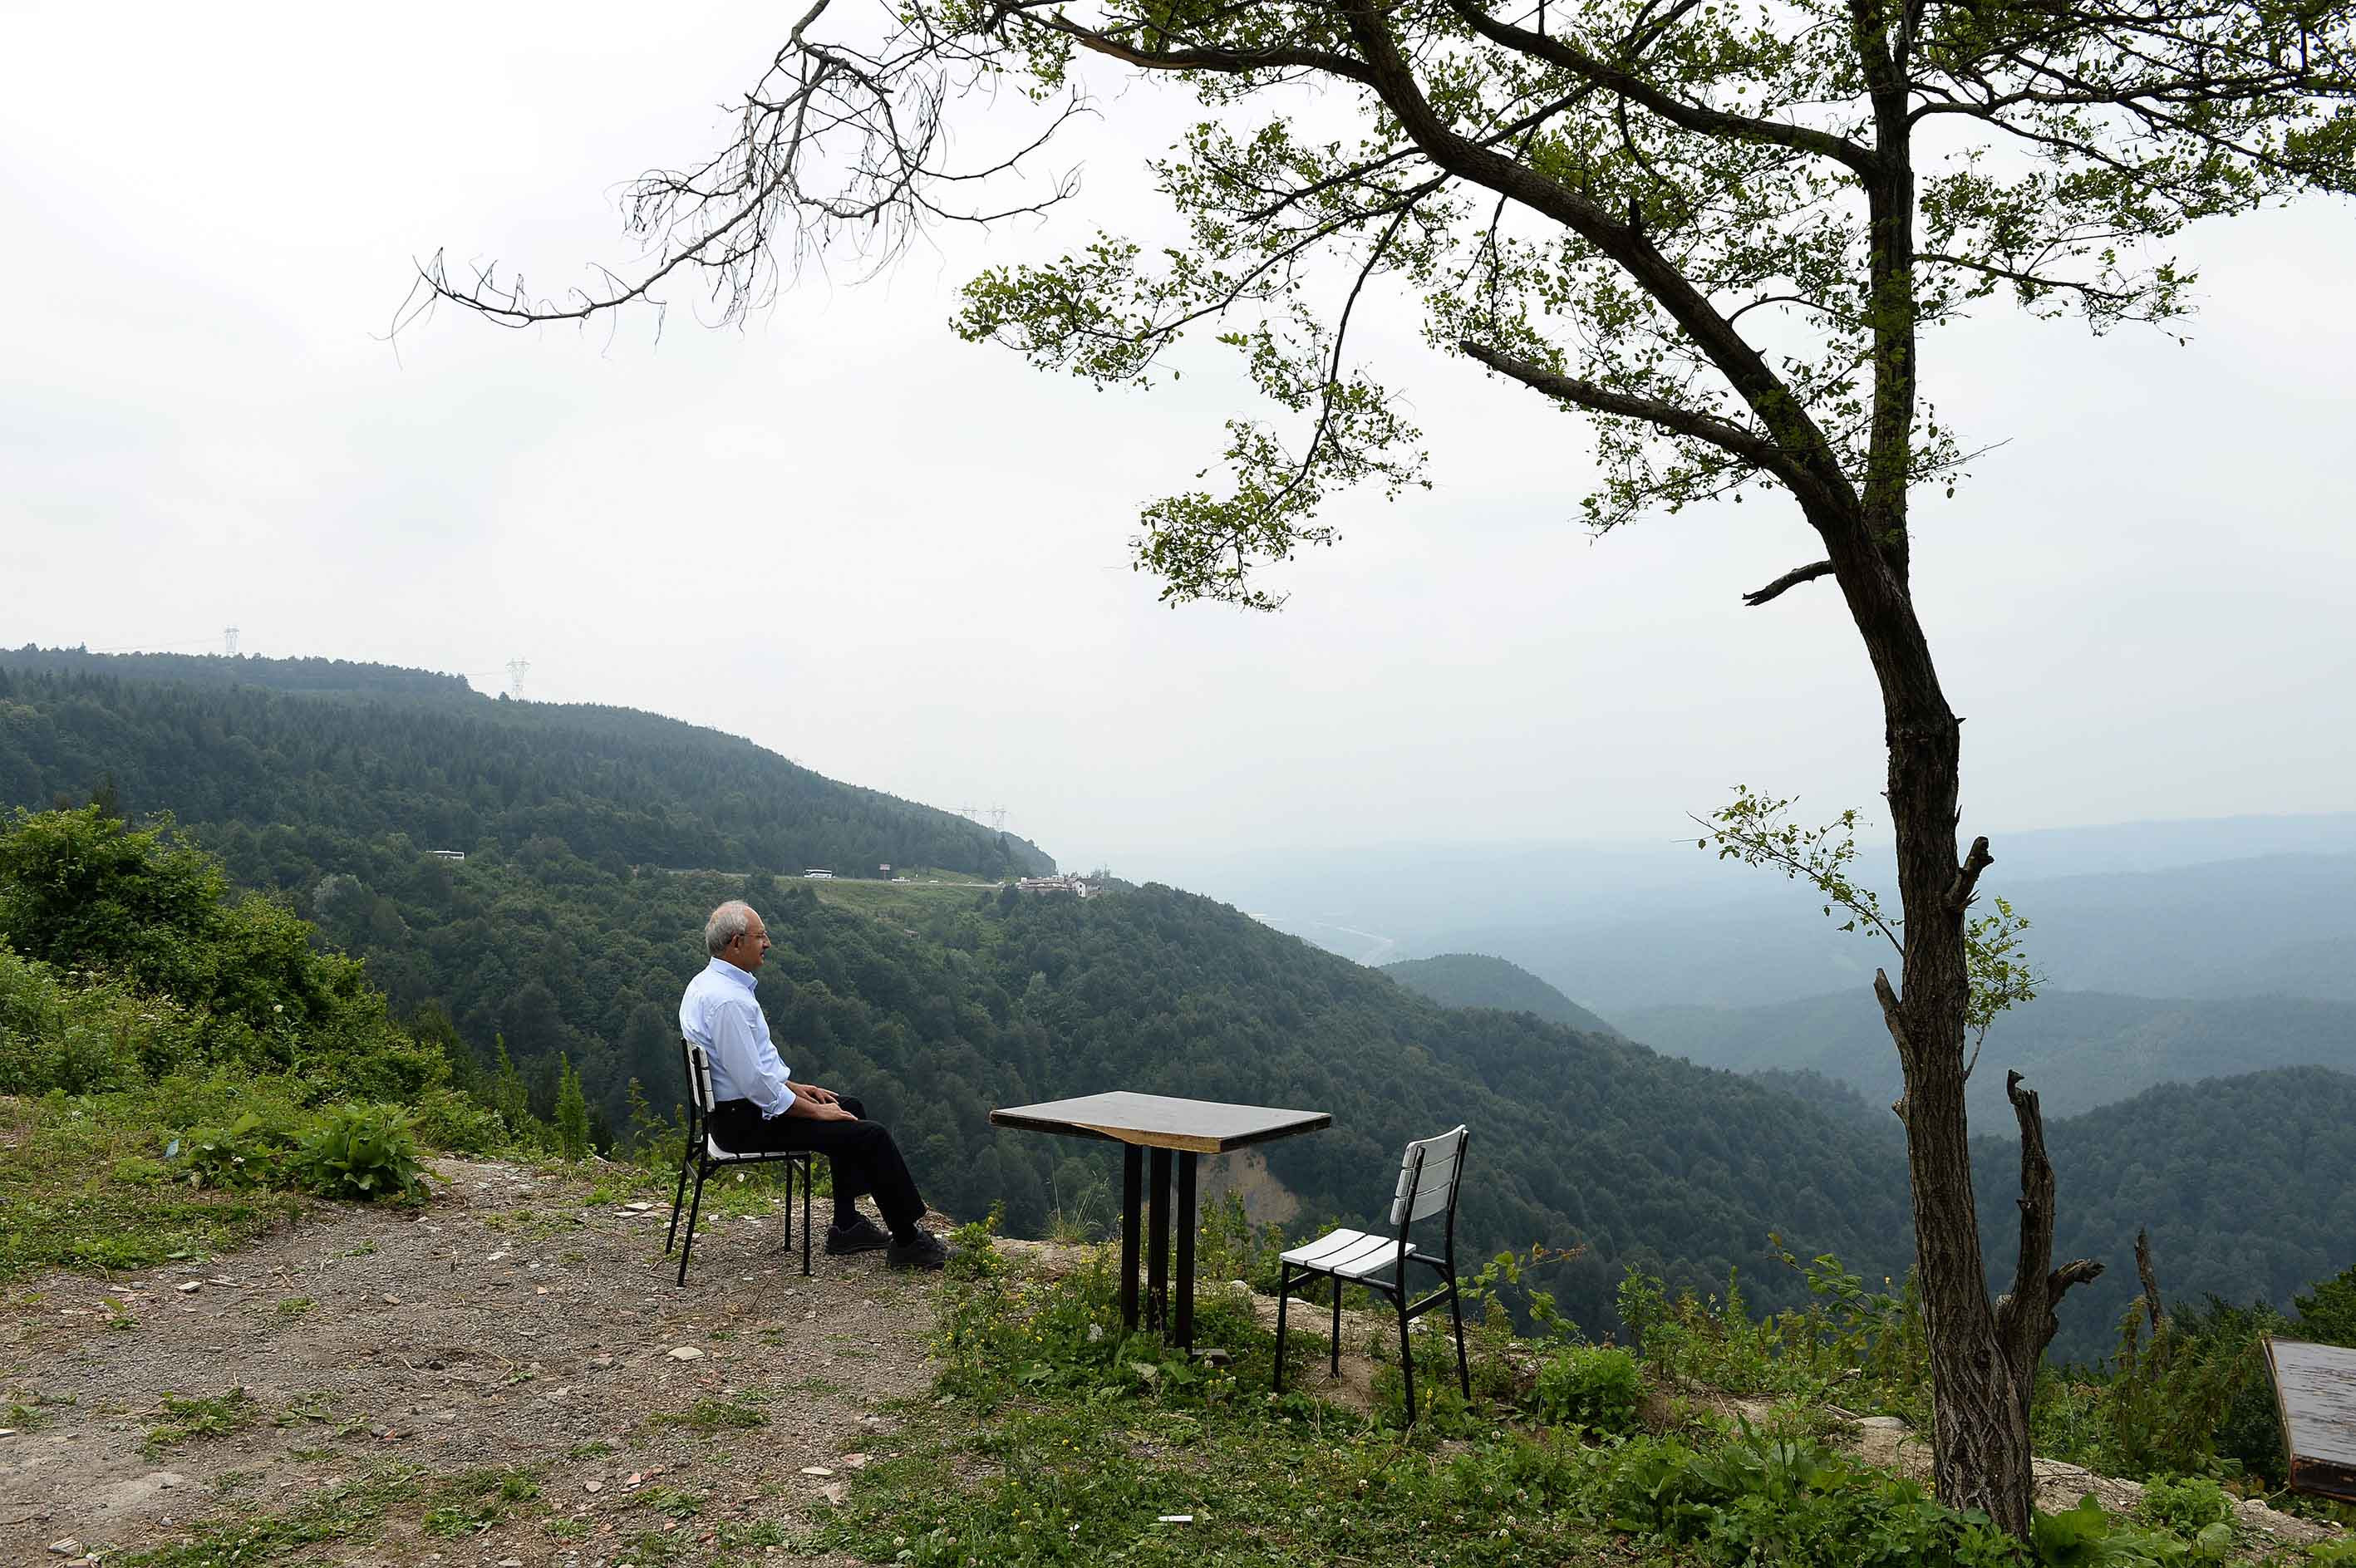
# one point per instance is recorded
(473, 1500)
(298, 1307)
(712, 1415)
(350, 1512)
(222, 1415)
(78, 1188)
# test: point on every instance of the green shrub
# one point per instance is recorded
(249, 1152)
(571, 1112)
(365, 1152)
(447, 1118)
(2086, 1537)
(2185, 1505)
(1595, 1386)
(1762, 1500)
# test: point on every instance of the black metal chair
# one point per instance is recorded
(1429, 1175)
(703, 1156)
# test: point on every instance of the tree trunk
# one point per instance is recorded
(1984, 1355)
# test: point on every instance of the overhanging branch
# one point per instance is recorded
(1722, 434)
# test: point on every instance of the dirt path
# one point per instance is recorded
(387, 1357)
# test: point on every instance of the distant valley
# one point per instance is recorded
(2078, 1050)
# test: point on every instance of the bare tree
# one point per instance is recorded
(1720, 231)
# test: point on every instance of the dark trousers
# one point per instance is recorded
(863, 1157)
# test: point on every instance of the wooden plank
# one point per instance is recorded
(1160, 1121)
(2315, 1392)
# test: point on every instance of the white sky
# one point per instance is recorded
(903, 561)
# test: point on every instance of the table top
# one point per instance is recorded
(1157, 1121)
(2315, 1389)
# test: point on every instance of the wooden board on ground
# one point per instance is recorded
(2315, 1389)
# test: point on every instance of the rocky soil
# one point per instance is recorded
(511, 1325)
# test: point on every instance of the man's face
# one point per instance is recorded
(747, 951)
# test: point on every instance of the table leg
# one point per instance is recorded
(1157, 1243)
(1186, 1161)
(1132, 1192)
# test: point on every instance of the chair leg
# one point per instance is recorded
(687, 1246)
(1283, 1293)
(678, 1202)
(1407, 1356)
(809, 1180)
(1456, 1311)
(1334, 1346)
(790, 1206)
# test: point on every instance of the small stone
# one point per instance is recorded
(189, 1286)
(686, 1353)
(834, 1492)
(592, 1486)
(601, 1361)
(539, 1290)
(445, 1416)
(390, 1300)
(7, 1432)
(69, 1547)
(495, 1257)
(511, 1563)
(854, 1461)
(816, 1470)
(640, 1208)
(218, 1280)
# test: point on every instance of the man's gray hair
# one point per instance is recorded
(728, 922)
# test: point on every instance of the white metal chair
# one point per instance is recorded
(704, 1155)
(1429, 1175)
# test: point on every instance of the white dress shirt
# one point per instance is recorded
(720, 1014)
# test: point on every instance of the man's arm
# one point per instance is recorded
(740, 1038)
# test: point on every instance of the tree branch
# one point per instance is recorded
(1709, 121)
(1227, 62)
(2150, 1277)
(2025, 1317)
(1806, 460)
(1967, 875)
(1722, 434)
(1789, 581)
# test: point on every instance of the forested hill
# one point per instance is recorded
(1477, 980)
(2248, 1186)
(367, 752)
(2079, 1049)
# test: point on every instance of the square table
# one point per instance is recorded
(1189, 1129)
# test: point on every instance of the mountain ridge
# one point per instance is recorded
(1478, 980)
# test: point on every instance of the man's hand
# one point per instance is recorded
(813, 1091)
(807, 1104)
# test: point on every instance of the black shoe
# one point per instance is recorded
(925, 1251)
(862, 1235)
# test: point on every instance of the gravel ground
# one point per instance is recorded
(507, 1324)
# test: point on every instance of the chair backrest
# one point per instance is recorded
(698, 1075)
(1428, 1175)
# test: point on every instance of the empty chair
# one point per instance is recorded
(1429, 1175)
(704, 1155)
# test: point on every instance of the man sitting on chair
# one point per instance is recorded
(756, 1107)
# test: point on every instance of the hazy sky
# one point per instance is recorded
(903, 561)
